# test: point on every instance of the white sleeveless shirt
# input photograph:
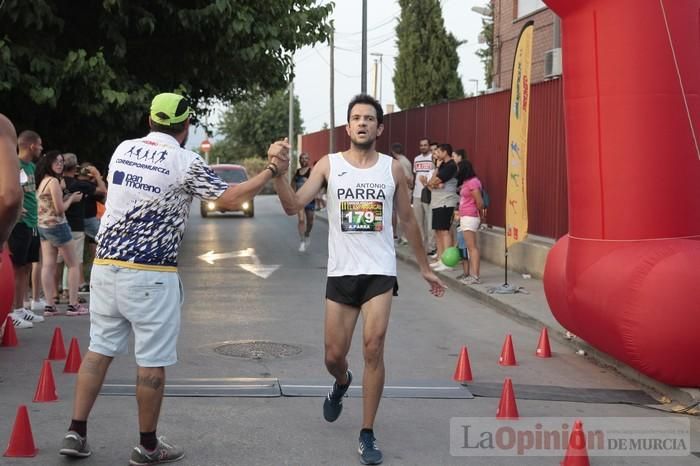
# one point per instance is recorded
(360, 206)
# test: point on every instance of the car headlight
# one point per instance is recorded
(211, 205)
(245, 205)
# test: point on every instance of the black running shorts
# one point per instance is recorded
(442, 218)
(355, 290)
(24, 245)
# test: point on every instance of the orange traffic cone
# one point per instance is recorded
(507, 409)
(73, 360)
(9, 338)
(463, 371)
(543, 349)
(21, 439)
(46, 388)
(58, 350)
(507, 353)
(576, 454)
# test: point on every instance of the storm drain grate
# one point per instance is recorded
(257, 349)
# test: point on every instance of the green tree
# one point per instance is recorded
(83, 73)
(486, 53)
(251, 125)
(426, 66)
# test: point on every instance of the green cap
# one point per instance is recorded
(169, 109)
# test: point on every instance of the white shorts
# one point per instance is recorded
(469, 223)
(78, 247)
(147, 302)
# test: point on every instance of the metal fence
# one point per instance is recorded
(480, 126)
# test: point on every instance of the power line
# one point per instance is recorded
(347, 50)
(389, 20)
(373, 43)
(382, 40)
(336, 70)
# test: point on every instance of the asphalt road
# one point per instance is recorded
(247, 288)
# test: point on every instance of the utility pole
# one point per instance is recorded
(363, 87)
(380, 73)
(331, 135)
(375, 78)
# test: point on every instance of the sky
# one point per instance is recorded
(312, 69)
(312, 82)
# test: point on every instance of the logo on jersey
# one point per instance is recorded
(133, 181)
(145, 158)
(146, 155)
(118, 177)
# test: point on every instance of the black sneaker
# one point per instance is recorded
(333, 404)
(74, 445)
(369, 453)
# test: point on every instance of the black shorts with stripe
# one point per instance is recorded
(355, 290)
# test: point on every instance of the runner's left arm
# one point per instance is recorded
(202, 182)
(293, 202)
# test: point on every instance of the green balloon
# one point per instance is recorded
(451, 256)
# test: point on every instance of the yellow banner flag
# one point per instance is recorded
(516, 194)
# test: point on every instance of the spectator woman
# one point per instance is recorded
(54, 232)
(470, 203)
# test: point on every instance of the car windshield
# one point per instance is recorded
(232, 175)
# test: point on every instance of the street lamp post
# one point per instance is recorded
(482, 10)
(363, 72)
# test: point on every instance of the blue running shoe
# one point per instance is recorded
(368, 450)
(333, 404)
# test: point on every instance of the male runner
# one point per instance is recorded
(363, 188)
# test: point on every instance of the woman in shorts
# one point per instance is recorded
(55, 234)
(470, 202)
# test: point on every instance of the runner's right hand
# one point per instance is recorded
(437, 288)
(279, 150)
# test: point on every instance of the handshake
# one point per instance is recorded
(278, 157)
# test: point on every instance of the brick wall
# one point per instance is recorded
(507, 29)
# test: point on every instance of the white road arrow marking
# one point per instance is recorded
(262, 271)
(211, 256)
(255, 267)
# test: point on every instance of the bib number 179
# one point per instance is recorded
(359, 217)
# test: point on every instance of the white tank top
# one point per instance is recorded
(360, 205)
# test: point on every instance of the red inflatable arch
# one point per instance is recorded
(626, 278)
(7, 285)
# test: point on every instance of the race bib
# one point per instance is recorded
(359, 216)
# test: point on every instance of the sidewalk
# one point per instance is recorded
(530, 308)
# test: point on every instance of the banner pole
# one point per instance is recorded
(516, 221)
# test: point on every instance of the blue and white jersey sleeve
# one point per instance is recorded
(200, 181)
